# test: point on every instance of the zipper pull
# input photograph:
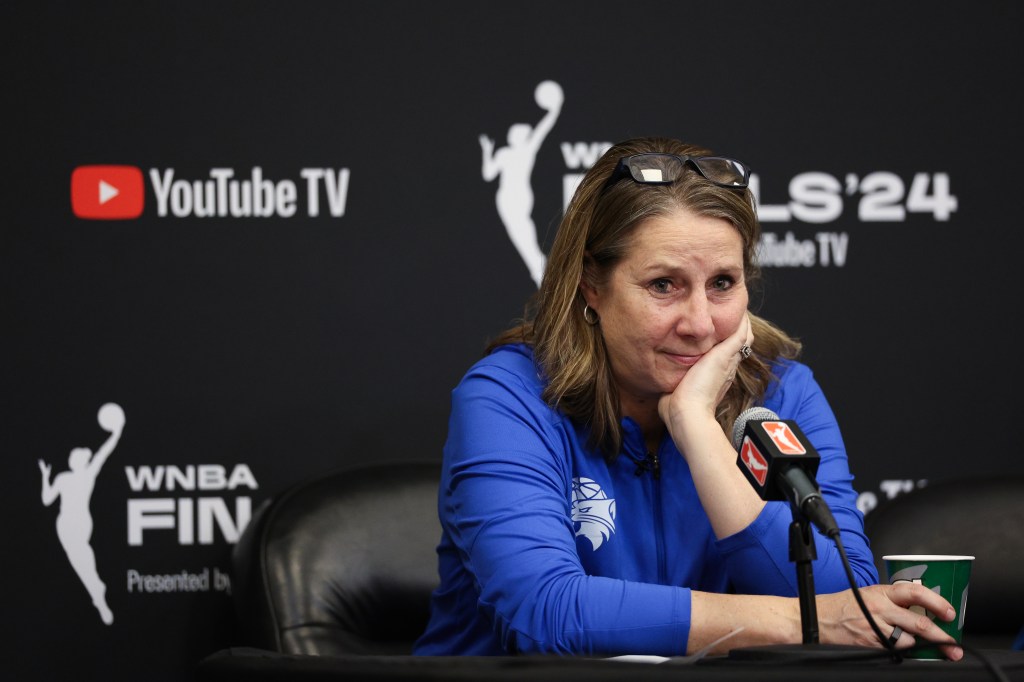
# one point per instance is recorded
(649, 463)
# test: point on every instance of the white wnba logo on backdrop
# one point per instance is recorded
(513, 165)
(74, 521)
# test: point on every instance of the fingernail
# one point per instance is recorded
(958, 653)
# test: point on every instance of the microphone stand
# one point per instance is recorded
(802, 552)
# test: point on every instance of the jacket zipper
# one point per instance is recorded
(659, 522)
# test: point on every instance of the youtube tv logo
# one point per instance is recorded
(107, 192)
(102, 192)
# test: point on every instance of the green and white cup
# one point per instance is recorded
(948, 575)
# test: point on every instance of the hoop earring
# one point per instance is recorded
(590, 315)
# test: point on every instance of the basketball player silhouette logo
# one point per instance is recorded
(513, 166)
(74, 520)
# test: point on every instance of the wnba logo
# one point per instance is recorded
(784, 438)
(74, 520)
(513, 166)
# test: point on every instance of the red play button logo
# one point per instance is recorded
(107, 192)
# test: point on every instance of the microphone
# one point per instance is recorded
(780, 463)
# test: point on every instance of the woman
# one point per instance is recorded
(590, 499)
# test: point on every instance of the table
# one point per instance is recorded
(261, 665)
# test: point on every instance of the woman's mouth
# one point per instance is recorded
(684, 360)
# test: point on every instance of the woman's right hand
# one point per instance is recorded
(841, 621)
(706, 382)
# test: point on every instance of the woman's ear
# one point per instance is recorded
(589, 293)
(587, 286)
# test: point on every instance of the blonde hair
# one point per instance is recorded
(591, 239)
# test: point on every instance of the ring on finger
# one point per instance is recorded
(896, 632)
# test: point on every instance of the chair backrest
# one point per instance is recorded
(342, 564)
(981, 516)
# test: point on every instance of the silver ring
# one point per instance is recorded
(896, 632)
(745, 351)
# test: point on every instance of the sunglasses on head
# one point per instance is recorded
(663, 169)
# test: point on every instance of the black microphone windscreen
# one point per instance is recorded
(746, 415)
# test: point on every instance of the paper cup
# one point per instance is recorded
(949, 575)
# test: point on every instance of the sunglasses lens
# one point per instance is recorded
(655, 168)
(728, 172)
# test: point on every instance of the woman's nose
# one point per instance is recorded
(695, 316)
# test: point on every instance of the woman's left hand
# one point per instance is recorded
(842, 622)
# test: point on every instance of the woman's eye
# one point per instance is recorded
(722, 283)
(661, 286)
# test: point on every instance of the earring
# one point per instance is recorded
(590, 315)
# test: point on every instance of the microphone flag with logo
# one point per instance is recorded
(779, 461)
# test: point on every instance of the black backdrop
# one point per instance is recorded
(249, 353)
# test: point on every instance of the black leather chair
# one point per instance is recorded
(981, 516)
(340, 565)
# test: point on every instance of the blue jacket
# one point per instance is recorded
(548, 547)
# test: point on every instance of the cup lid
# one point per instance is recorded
(928, 557)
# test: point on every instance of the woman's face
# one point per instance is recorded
(677, 293)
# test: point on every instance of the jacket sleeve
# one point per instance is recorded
(505, 502)
(758, 557)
